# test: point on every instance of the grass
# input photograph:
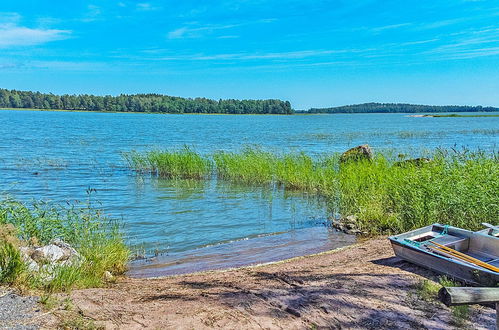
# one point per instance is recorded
(97, 239)
(457, 187)
(183, 163)
(428, 291)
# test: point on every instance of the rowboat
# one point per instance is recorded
(467, 256)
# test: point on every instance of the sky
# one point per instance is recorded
(313, 53)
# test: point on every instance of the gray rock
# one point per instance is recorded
(48, 254)
(45, 260)
(359, 153)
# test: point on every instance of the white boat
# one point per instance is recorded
(467, 256)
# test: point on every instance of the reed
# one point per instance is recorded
(252, 166)
(98, 239)
(175, 164)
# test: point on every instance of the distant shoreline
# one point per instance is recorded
(409, 114)
(149, 113)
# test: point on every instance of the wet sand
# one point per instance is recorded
(361, 286)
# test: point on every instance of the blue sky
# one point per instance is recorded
(312, 53)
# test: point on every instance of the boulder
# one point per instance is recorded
(362, 152)
(46, 259)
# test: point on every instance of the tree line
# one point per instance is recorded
(400, 107)
(139, 103)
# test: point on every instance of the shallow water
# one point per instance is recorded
(58, 156)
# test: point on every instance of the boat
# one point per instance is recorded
(464, 255)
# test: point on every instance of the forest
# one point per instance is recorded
(399, 108)
(139, 103)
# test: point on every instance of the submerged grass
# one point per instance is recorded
(97, 239)
(457, 187)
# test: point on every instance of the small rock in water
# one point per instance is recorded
(362, 152)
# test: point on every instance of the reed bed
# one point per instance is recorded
(457, 187)
(175, 164)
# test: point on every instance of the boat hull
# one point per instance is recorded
(444, 266)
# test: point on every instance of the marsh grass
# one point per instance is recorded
(175, 164)
(98, 240)
(252, 166)
(457, 187)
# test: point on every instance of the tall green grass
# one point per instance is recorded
(96, 238)
(252, 166)
(458, 187)
(182, 163)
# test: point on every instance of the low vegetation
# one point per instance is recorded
(385, 194)
(98, 241)
(427, 291)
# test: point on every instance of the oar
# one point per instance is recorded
(465, 257)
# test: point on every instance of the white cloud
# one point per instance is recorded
(201, 31)
(13, 35)
(145, 6)
(186, 32)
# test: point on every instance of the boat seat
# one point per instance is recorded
(454, 242)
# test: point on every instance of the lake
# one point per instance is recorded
(197, 225)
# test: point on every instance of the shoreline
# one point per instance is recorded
(358, 286)
(408, 114)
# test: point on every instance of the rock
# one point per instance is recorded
(26, 256)
(108, 277)
(45, 260)
(69, 252)
(362, 152)
(352, 219)
(48, 254)
(418, 162)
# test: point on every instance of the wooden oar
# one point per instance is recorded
(471, 261)
(465, 257)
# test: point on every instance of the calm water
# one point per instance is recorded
(57, 156)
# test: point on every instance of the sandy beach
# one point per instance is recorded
(361, 286)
